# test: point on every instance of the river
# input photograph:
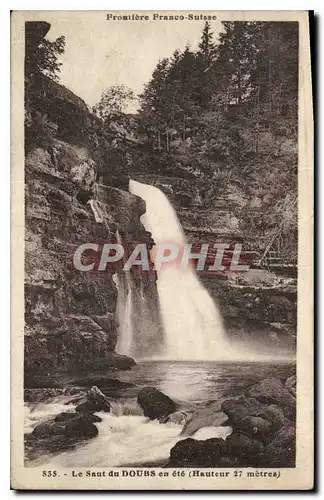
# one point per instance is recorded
(125, 436)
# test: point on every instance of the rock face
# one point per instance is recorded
(263, 432)
(155, 404)
(257, 302)
(95, 401)
(70, 315)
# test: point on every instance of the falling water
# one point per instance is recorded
(124, 307)
(139, 330)
(192, 322)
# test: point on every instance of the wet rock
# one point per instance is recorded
(47, 429)
(245, 448)
(256, 427)
(184, 453)
(273, 391)
(68, 424)
(286, 436)
(155, 404)
(95, 401)
(280, 452)
(80, 427)
(66, 416)
(237, 450)
(192, 453)
(179, 418)
(274, 414)
(237, 409)
(118, 361)
(290, 385)
(203, 417)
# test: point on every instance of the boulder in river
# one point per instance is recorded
(70, 425)
(257, 427)
(273, 391)
(242, 446)
(179, 418)
(237, 450)
(94, 401)
(239, 408)
(65, 416)
(48, 429)
(80, 427)
(193, 453)
(274, 414)
(210, 416)
(280, 452)
(155, 404)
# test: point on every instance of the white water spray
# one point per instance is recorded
(192, 323)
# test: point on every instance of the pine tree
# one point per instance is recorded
(206, 45)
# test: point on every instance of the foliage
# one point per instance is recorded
(44, 58)
(114, 102)
(230, 110)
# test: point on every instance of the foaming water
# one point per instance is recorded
(39, 412)
(128, 440)
(126, 437)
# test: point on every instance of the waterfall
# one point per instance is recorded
(192, 323)
(124, 313)
(139, 330)
(124, 308)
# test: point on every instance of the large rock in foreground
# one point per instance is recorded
(72, 426)
(192, 453)
(263, 431)
(95, 401)
(273, 391)
(155, 404)
(68, 428)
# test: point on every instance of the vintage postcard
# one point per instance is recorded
(162, 242)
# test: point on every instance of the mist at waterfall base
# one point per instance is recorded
(192, 323)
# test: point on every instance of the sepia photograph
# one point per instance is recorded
(165, 280)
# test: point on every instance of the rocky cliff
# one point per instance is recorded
(70, 316)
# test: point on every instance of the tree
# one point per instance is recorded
(114, 102)
(44, 57)
(206, 45)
